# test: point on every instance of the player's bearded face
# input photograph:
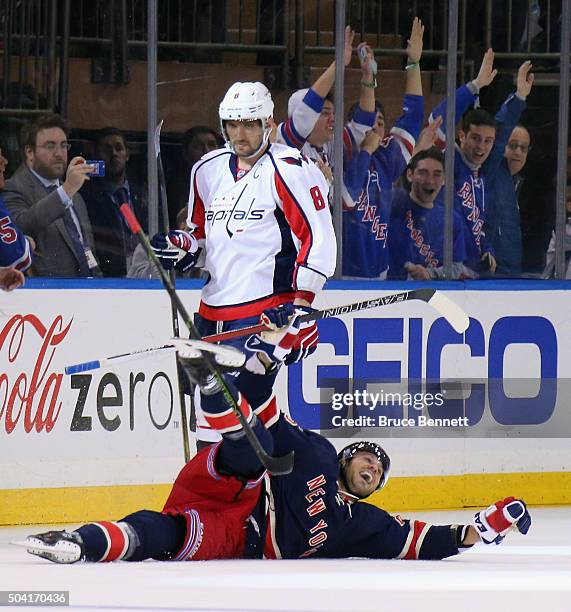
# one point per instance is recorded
(245, 136)
(363, 474)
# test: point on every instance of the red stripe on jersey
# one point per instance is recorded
(294, 140)
(348, 143)
(417, 527)
(296, 219)
(268, 412)
(242, 311)
(24, 264)
(116, 539)
(305, 295)
(197, 217)
(228, 421)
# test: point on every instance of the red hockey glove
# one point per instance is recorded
(276, 345)
(307, 338)
(292, 339)
(494, 522)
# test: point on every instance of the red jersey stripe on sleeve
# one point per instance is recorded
(296, 219)
(197, 218)
(415, 537)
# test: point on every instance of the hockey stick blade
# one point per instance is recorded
(95, 364)
(457, 318)
(275, 465)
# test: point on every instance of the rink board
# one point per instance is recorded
(109, 441)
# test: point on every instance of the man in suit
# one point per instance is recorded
(114, 242)
(51, 211)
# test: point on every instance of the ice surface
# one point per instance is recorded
(523, 574)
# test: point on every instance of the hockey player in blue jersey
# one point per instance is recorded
(482, 141)
(15, 249)
(372, 170)
(416, 230)
(223, 506)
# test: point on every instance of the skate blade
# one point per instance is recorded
(61, 555)
(225, 357)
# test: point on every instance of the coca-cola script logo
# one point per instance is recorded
(35, 396)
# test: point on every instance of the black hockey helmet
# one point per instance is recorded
(365, 446)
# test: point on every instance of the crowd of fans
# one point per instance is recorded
(60, 216)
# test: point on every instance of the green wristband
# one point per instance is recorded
(411, 66)
(370, 85)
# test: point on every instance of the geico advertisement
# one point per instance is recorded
(404, 352)
(404, 368)
(129, 410)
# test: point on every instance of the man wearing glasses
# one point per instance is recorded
(503, 225)
(44, 202)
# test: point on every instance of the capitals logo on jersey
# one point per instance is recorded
(235, 210)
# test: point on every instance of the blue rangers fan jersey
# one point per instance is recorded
(369, 180)
(416, 235)
(14, 246)
(309, 516)
(470, 182)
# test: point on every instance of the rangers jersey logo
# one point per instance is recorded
(378, 229)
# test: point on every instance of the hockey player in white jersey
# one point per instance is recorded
(260, 226)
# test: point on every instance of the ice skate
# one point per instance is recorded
(190, 354)
(56, 546)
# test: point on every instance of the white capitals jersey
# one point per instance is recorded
(268, 236)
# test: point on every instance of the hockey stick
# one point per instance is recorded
(457, 318)
(274, 465)
(446, 307)
(105, 361)
(172, 277)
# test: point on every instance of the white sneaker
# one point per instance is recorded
(55, 546)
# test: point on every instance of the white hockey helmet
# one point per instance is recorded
(247, 102)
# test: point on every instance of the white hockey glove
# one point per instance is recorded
(177, 249)
(494, 522)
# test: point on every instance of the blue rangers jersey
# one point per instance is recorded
(309, 516)
(416, 235)
(469, 181)
(14, 246)
(369, 180)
